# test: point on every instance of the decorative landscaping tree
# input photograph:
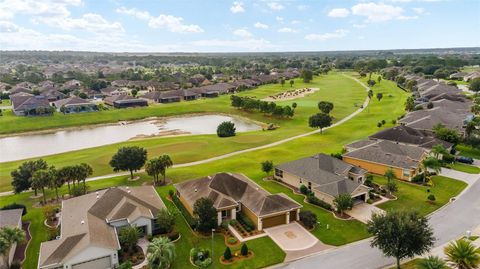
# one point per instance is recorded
(431, 198)
(390, 174)
(128, 237)
(22, 176)
(206, 215)
(267, 167)
(82, 172)
(158, 166)
(40, 180)
(370, 94)
(244, 250)
(410, 104)
(306, 75)
(320, 120)
(474, 85)
(438, 150)
(401, 234)
(432, 262)
(226, 129)
(56, 181)
(379, 96)
(443, 133)
(227, 255)
(430, 163)
(10, 236)
(308, 218)
(294, 105)
(291, 82)
(282, 82)
(161, 253)
(67, 174)
(391, 186)
(343, 202)
(325, 106)
(462, 254)
(165, 221)
(129, 159)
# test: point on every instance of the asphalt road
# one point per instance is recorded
(449, 222)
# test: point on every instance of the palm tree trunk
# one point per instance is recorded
(69, 191)
(398, 263)
(44, 197)
(35, 191)
(131, 174)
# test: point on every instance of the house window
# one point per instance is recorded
(310, 185)
(406, 173)
(360, 180)
(224, 214)
(278, 173)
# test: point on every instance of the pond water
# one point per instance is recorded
(35, 145)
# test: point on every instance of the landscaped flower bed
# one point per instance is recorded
(236, 256)
(136, 256)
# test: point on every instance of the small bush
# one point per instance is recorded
(448, 158)
(246, 222)
(369, 201)
(227, 255)
(232, 240)
(226, 129)
(315, 201)
(308, 218)
(16, 265)
(171, 193)
(369, 181)
(379, 124)
(244, 250)
(383, 122)
(431, 198)
(233, 222)
(418, 178)
(304, 189)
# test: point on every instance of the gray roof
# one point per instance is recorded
(427, 119)
(389, 153)
(408, 135)
(359, 144)
(10, 217)
(331, 174)
(71, 101)
(227, 190)
(27, 102)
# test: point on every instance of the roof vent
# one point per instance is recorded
(82, 222)
(129, 191)
(98, 196)
(196, 190)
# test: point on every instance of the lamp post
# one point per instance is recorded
(213, 261)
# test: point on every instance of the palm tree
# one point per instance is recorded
(8, 237)
(463, 254)
(432, 262)
(389, 174)
(439, 149)
(40, 180)
(430, 163)
(165, 162)
(161, 253)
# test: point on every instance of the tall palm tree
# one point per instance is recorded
(161, 253)
(430, 163)
(463, 254)
(166, 162)
(439, 149)
(40, 180)
(8, 237)
(432, 262)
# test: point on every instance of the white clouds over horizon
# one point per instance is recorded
(237, 7)
(379, 12)
(339, 13)
(326, 36)
(260, 25)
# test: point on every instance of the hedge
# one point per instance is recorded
(190, 220)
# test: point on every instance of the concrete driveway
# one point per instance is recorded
(465, 177)
(363, 212)
(291, 237)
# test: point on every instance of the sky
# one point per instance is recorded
(237, 26)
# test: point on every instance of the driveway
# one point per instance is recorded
(465, 177)
(291, 237)
(363, 212)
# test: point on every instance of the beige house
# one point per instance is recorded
(13, 218)
(89, 225)
(234, 193)
(327, 177)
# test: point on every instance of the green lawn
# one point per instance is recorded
(6, 102)
(342, 91)
(464, 168)
(468, 151)
(414, 196)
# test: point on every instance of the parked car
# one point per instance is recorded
(463, 159)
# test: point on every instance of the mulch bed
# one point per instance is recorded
(20, 251)
(345, 216)
(226, 235)
(236, 256)
(137, 257)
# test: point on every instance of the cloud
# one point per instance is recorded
(237, 7)
(8, 27)
(302, 7)
(275, 6)
(295, 22)
(242, 33)
(168, 22)
(327, 36)
(338, 13)
(89, 22)
(379, 12)
(286, 30)
(359, 25)
(279, 19)
(37, 8)
(418, 10)
(260, 25)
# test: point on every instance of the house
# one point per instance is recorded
(112, 91)
(235, 193)
(11, 218)
(90, 225)
(379, 156)
(25, 104)
(170, 96)
(458, 75)
(124, 101)
(74, 104)
(327, 177)
(471, 76)
(408, 136)
(53, 94)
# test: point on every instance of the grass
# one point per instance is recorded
(468, 151)
(343, 92)
(464, 168)
(414, 196)
(5, 102)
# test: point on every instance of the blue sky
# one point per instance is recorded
(234, 26)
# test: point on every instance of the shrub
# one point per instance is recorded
(233, 222)
(165, 221)
(244, 250)
(394, 121)
(200, 257)
(369, 201)
(308, 218)
(204, 264)
(431, 198)
(190, 220)
(49, 212)
(126, 265)
(383, 122)
(379, 124)
(78, 190)
(226, 129)
(418, 178)
(171, 193)
(227, 255)
(315, 201)
(369, 181)
(448, 158)
(16, 206)
(304, 189)
(232, 240)
(246, 222)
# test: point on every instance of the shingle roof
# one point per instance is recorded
(10, 217)
(389, 153)
(408, 135)
(427, 119)
(331, 174)
(227, 190)
(74, 100)
(26, 102)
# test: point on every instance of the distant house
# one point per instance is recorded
(458, 75)
(112, 91)
(25, 104)
(124, 101)
(90, 225)
(214, 90)
(379, 156)
(53, 94)
(10, 218)
(235, 193)
(327, 177)
(409, 136)
(471, 76)
(170, 96)
(75, 104)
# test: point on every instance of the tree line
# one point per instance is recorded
(248, 103)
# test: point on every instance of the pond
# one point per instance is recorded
(20, 147)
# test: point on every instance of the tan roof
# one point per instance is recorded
(85, 220)
(10, 217)
(228, 190)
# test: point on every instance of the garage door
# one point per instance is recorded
(274, 221)
(100, 263)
